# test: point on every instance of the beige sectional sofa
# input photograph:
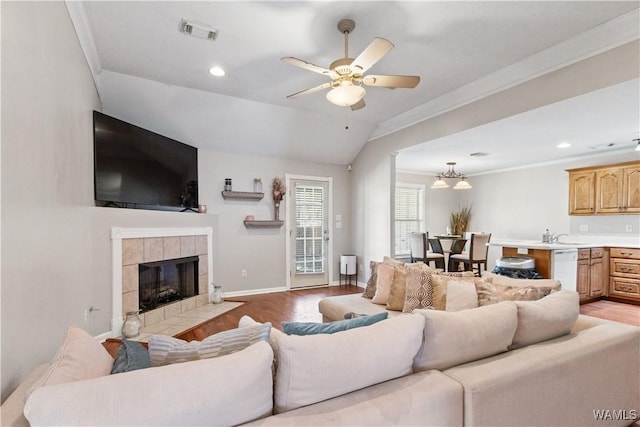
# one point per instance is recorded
(423, 368)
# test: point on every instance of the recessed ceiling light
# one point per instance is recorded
(216, 71)
(564, 145)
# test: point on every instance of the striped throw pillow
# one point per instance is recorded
(165, 350)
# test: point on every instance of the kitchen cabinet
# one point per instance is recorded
(591, 273)
(607, 189)
(582, 195)
(624, 278)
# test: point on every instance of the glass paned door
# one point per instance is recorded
(310, 234)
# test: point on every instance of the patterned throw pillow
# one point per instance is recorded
(370, 290)
(441, 285)
(383, 284)
(398, 289)
(165, 350)
(419, 286)
(492, 293)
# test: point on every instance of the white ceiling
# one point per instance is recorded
(149, 73)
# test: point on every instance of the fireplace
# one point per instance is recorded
(167, 281)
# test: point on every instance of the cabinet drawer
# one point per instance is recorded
(624, 288)
(625, 267)
(584, 253)
(625, 253)
(597, 252)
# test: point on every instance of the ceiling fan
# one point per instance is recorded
(347, 74)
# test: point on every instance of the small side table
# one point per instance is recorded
(348, 268)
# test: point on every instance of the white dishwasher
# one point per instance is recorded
(564, 267)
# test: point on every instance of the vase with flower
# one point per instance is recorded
(278, 191)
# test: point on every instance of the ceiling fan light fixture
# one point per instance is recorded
(346, 95)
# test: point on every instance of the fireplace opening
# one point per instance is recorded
(164, 282)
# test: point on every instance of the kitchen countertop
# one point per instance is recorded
(565, 243)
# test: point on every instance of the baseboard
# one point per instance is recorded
(254, 292)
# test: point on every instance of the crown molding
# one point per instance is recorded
(80, 22)
(604, 37)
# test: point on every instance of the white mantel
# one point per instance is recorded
(118, 234)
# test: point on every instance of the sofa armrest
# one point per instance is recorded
(428, 398)
(227, 390)
(560, 382)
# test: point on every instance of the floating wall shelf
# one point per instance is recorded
(263, 224)
(242, 195)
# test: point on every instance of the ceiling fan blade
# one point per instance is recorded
(391, 81)
(371, 54)
(310, 90)
(358, 105)
(306, 65)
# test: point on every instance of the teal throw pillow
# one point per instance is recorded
(131, 356)
(303, 328)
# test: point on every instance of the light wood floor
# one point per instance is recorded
(302, 306)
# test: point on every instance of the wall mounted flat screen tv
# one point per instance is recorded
(137, 168)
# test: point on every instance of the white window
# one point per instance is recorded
(409, 215)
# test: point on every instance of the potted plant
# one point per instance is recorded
(460, 219)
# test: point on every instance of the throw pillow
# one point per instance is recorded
(453, 338)
(165, 350)
(419, 286)
(370, 290)
(398, 289)
(383, 283)
(509, 281)
(81, 357)
(131, 356)
(314, 368)
(307, 328)
(454, 293)
(546, 318)
(491, 293)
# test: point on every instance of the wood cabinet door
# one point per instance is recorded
(631, 190)
(596, 277)
(609, 190)
(582, 284)
(582, 193)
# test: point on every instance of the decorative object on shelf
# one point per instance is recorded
(132, 325)
(216, 296)
(257, 185)
(202, 208)
(460, 220)
(242, 195)
(263, 224)
(227, 184)
(440, 182)
(278, 191)
(249, 218)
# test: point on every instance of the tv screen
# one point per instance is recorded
(137, 168)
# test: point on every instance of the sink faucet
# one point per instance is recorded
(556, 237)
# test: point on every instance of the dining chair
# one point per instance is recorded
(477, 256)
(457, 246)
(418, 244)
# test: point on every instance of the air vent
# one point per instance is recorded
(198, 29)
(479, 154)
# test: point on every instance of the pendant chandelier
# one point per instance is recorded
(440, 182)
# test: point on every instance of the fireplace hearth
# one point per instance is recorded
(167, 281)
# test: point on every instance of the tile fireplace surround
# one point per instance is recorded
(132, 246)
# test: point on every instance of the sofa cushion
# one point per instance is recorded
(314, 368)
(383, 283)
(492, 293)
(452, 338)
(227, 390)
(309, 328)
(80, 357)
(454, 293)
(335, 307)
(546, 318)
(165, 350)
(131, 356)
